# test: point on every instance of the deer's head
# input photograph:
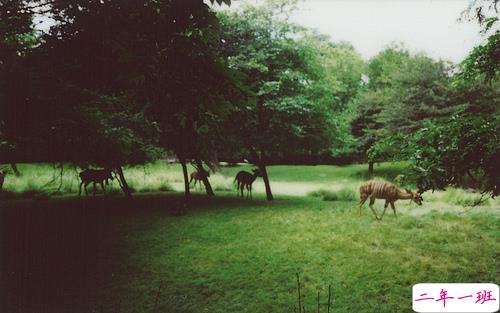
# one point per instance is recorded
(109, 174)
(415, 196)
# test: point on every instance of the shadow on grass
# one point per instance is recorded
(56, 254)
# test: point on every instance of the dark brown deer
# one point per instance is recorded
(383, 190)
(246, 179)
(198, 176)
(96, 176)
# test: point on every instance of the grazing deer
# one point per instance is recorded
(96, 176)
(198, 176)
(245, 179)
(383, 190)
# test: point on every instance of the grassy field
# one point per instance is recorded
(61, 253)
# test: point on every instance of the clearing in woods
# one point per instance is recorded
(228, 254)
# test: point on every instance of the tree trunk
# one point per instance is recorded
(370, 169)
(206, 182)
(15, 169)
(123, 183)
(260, 162)
(269, 194)
(187, 194)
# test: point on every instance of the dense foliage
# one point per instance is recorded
(114, 83)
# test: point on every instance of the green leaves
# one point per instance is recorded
(483, 61)
(460, 151)
(115, 134)
(220, 2)
(293, 109)
(403, 92)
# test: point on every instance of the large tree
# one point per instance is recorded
(484, 59)
(375, 96)
(17, 40)
(284, 114)
(463, 149)
(104, 67)
(403, 92)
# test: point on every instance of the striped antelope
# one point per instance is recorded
(96, 176)
(383, 190)
(198, 176)
(245, 179)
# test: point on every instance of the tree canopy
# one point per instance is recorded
(114, 83)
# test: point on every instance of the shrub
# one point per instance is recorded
(344, 194)
(166, 187)
(347, 194)
(319, 193)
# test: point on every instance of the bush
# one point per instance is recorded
(344, 194)
(223, 188)
(347, 194)
(166, 187)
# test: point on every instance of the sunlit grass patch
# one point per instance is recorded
(457, 196)
(331, 183)
(42, 178)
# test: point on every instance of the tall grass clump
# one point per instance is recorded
(166, 187)
(222, 183)
(344, 194)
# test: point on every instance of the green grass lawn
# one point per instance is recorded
(111, 254)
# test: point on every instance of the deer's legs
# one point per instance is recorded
(195, 181)
(93, 192)
(86, 190)
(80, 189)
(250, 186)
(385, 207)
(394, 208)
(361, 202)
(372, 201)
(102, 186)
